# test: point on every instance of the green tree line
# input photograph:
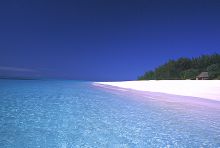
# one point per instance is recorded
(185, 68)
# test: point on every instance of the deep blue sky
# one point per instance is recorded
(103, 39)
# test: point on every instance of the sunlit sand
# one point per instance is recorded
(207, 89)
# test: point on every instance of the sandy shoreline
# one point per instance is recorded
(207, 89)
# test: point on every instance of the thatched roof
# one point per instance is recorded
(203, 75)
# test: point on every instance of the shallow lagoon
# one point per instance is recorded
(49, 113)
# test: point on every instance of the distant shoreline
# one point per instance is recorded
(207, 89)
(15, 78)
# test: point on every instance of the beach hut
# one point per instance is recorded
(203, 76)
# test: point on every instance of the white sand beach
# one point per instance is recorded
(207, 89)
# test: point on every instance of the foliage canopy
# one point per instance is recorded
(186, 68)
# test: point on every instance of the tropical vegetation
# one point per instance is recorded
(185, 68)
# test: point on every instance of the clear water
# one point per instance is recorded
(52, 114)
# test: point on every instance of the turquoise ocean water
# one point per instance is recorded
(65, 114)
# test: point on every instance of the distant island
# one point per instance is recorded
(18, 78)
(186, 68)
